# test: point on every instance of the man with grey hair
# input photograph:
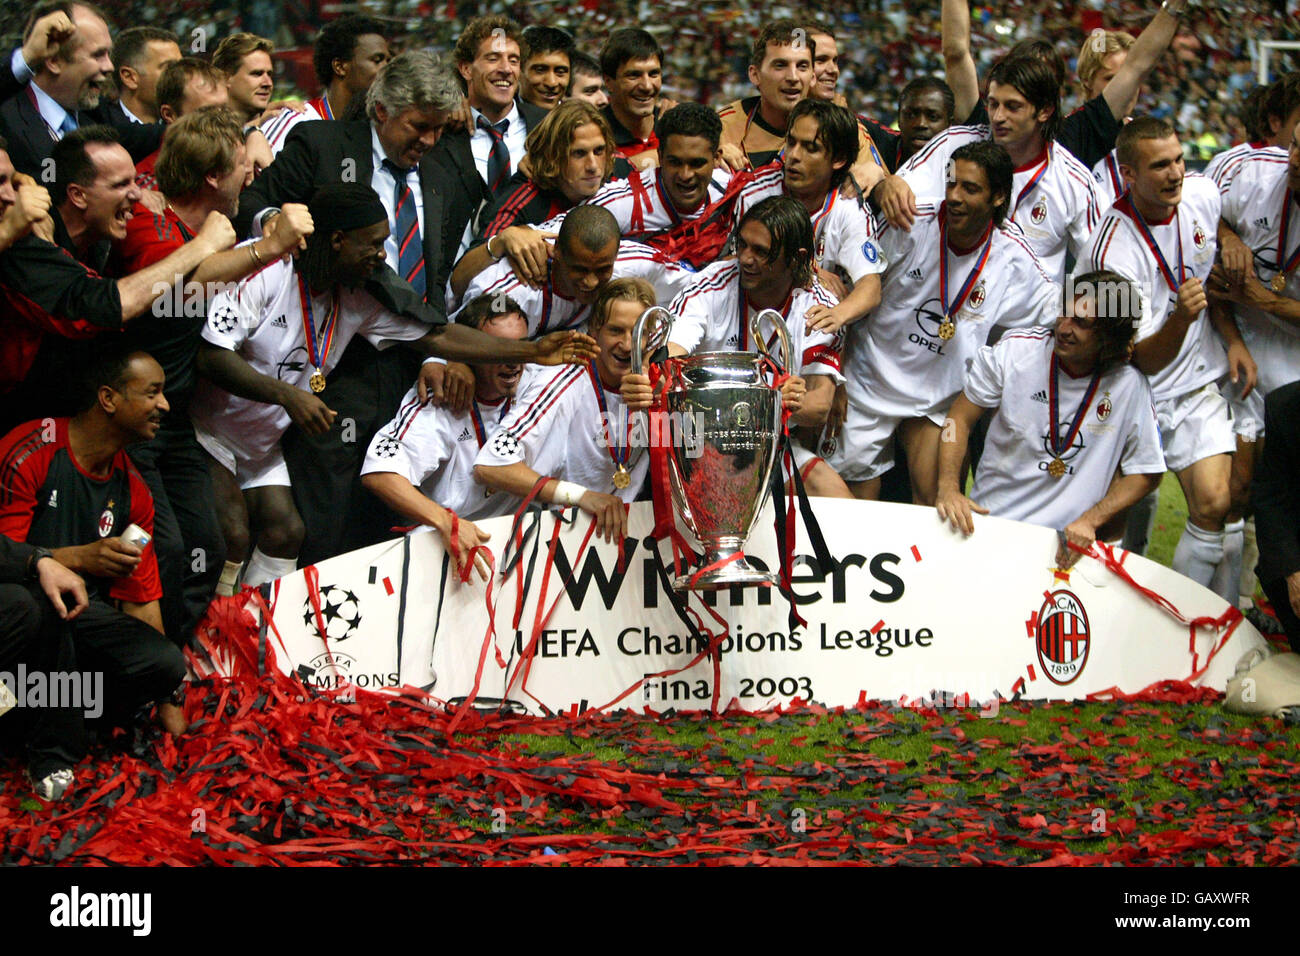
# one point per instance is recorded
(406, 109)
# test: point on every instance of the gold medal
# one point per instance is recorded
(947, 329)
(621, 478)
(1279, 282)
(1056, 468)
(317, 381)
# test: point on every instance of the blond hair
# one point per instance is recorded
(196, 145)
(549, 141)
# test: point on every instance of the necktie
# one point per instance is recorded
(410, 245)
(68, 125)
(498, 166)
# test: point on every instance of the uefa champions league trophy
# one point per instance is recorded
(720, 478)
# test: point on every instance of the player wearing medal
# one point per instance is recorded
(422, 463)
(571, 424)
(588, 252)
(1258, 280)
(1074, 440)
(281, 333)
(347, 57)
(820, 147)
(1053, 199)
(773, 269)
(1160, 234)
(654, 205)
(948, 280)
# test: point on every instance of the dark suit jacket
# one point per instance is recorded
(1276, 490)
(8, 85)
(30, 143)
(320, 153)
(454, 155)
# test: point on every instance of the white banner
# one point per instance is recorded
(907, 608)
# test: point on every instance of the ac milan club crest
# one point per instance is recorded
(1039, 212)
(821, 250)
(106, 521)
(1103, 408)
(1062, 637)
(977, 295)
(1198, 235)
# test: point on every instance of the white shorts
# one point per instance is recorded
(268, 471)
(1277, 353)
(865, 448)
(1194, 426)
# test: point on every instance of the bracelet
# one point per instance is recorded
(1169, 8)
(495, 258)
(252, 248)
(567, 493)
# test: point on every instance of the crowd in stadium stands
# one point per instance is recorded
(252, 318)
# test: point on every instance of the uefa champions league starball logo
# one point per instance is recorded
(340, 612)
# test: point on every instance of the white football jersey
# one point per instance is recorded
(708, 319)
(1109, 182)
(1118, 245)
(556, 428)
(844, 233)
(548, 311)
(1118, 431)
(641, 204)
(1053, 198)
(263, 320)
(896, 351)
(1224, 166)
(1252, 208)
(434, 449)
(277, 128)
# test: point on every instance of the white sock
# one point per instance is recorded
(1249, 558)
(228, 583)
(1198, 554)
(1140, 523)
(1227, 576)
(262, 568)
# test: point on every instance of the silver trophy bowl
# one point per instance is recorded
(725, 419)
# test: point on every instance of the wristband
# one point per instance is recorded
(494, 257)
(567, 493)
(38, 555)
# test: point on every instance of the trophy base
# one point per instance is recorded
(737, 573)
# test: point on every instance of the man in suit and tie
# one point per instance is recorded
(139, 57)
(483, 157)
(68, 84)
(43, 38)
(407, 106)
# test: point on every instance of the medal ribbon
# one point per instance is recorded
(1126, 206)
(949, 310)
(479, 431)
(1059, 449)
(820, 218)
(1033, 181)
(1286, 265)
(309, 326)
(1112, 170)
(619, 453)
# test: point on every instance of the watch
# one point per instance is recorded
(38, 555)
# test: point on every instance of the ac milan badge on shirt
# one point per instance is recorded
(106, 523)
(1198, 235)
(977, 295)
(1103, 408)
(1039, 212)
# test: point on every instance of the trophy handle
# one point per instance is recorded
(782, 334)
(658, 338)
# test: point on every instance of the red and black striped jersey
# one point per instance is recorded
(47, 499)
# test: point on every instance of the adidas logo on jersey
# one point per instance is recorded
(915, 274)
(54, 499)
(1041, 396)
(280, 322)
(1262, 222)
(464, 435)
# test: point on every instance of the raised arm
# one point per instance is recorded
(1142, 57)
(958, 63)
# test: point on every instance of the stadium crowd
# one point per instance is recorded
(243, 332)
